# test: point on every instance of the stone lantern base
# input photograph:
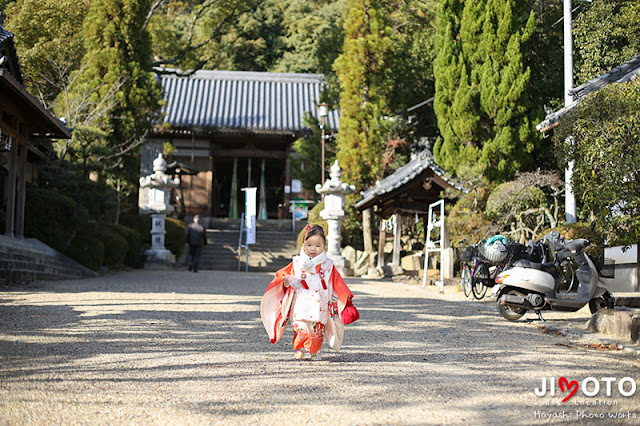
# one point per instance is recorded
(163, 260)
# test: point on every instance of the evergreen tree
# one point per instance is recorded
(484, 107)
(113, 98)
(363, 75)
(605, 131)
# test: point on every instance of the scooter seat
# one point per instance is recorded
(544, 267)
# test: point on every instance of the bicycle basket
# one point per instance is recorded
(464, 254)
(515, 252)
(495, 252)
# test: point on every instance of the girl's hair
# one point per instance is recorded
(311, 230)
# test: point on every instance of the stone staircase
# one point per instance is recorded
(27, 260)
(275, 245)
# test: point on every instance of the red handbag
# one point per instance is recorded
(349, 314)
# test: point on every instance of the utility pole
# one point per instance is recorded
(569, 197)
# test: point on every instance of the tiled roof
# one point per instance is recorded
(625, 72)
(9, 49)
(4, 35)
(405, 174)
(242, 101)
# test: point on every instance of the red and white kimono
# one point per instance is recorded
(313, 309)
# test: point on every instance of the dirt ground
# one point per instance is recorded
(172, 347)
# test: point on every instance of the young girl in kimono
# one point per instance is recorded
(311, 295)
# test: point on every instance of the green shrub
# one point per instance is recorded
(115, 246)
(49, 217)
(133, 258)
(87, 250)
(174, 238)
(141, 223)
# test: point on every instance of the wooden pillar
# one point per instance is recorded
(367, 235)
(381, 241)
(21, 190)
(397, 243)
(11, 190)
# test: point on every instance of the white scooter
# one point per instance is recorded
(552, 286)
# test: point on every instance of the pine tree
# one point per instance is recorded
(364, 84)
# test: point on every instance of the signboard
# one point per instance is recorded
(296, 185)
(299, 209)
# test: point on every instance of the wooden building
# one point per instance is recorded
(236, 128)
(26, 130)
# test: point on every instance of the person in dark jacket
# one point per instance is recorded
(195, 238)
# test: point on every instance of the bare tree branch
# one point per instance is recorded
(152, 10)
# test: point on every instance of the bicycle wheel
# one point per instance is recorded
(466, 280)
(478, 280)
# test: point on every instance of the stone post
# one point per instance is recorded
(155, 199)
(334, 191)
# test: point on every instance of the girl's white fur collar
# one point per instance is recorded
(309, 263)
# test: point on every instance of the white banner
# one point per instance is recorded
(250, 215)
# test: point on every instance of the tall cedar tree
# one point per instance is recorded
(363, 75)
(116, 71)
(485, 114)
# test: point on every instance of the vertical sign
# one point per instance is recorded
(250, 217)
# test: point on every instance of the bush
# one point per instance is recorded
(174, 238)
(133, 258)
(141, 223)
(115, 246)
(87, 250)
(49, 217)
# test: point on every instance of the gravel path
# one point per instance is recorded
(170, 347)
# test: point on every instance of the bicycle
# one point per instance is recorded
(465, 256)
(487, 266)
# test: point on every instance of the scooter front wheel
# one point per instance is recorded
(604, 301)
(508, 312)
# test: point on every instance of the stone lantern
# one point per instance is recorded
(155, 198)
(334, 191)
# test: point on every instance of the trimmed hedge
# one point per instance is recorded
(133, 257)
(58, 221)
(115, 246)
(174, 238)
(49, 217)
(88, 250)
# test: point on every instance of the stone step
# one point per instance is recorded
(26, 260)
(270, 225)
(272, 251)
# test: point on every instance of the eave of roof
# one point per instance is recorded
(423, 160)
(625, 72)
(44, 124)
